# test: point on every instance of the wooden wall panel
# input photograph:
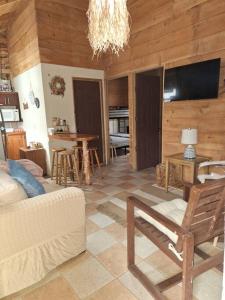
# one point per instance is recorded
(170, 33)
(23, 39)
(62, 33)
(118, 92)
(4, 57)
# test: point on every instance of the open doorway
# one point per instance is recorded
(118, 116)
(149, 93)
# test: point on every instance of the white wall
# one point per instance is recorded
(63, 107)
(36, 121)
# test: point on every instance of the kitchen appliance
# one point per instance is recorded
(10, 114)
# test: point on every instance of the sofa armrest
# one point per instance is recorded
(34, 221)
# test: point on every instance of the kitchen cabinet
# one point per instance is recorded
(36, 155)
(9, 99)
(14, 141)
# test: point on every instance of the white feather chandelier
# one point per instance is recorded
(108, 25)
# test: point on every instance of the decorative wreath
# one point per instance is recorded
(57, 86)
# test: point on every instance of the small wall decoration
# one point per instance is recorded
(37, 102)
(57, 86)
(25, 105)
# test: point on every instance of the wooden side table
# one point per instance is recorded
(36, 155)
(180, 161)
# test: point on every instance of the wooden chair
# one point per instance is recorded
(203, 220)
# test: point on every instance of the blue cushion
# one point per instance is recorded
(30, 184)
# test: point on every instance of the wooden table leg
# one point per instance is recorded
(167, 175)
(86, 158)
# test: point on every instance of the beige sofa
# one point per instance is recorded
(38, 234)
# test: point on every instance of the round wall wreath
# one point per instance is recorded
(57, 86)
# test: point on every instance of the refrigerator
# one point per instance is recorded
(3, 140)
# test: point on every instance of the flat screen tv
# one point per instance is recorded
(192, 82)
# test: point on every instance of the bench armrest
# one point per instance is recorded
(135, 202)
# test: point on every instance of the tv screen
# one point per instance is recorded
(192, 82)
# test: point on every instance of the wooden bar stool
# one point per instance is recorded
(55, 163)
(68, 167)
(93, 153)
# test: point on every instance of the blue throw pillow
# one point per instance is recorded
(30, 184)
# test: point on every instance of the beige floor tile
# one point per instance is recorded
(155, 275)
(208, 285)
(122, 204)
(56, 289)
(175, 293)
(91, 227)
(87, 277)
(118, 231)
(159, 261)
(96, 195)
(49, 277)
(115, 259)
(112, 291)
(134, 285)
(112, 190)
(72, 263)
(143, 247)
(123, 195)
(99, 241)
(101, 220)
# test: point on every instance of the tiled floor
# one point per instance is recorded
(101, 272)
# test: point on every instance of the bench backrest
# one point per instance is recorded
(204, 216)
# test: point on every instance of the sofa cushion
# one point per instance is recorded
(173, 210)
(10, 190)
(30, 184)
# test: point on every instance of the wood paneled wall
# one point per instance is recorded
(4, 56)
(170, 33)
(118, 92)
(62, 33)
(23, 39)
(50, 31)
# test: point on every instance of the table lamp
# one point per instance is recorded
(189, 138)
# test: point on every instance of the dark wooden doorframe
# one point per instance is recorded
(145, 145)
(99, 81)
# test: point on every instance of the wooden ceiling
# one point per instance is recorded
(7, 7)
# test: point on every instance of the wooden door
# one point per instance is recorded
(88, 113)
(15, 140)
(148, 121)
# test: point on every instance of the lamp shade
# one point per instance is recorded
(189, 136)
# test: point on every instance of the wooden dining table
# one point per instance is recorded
(78, 137)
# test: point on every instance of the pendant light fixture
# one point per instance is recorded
(109, 27)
